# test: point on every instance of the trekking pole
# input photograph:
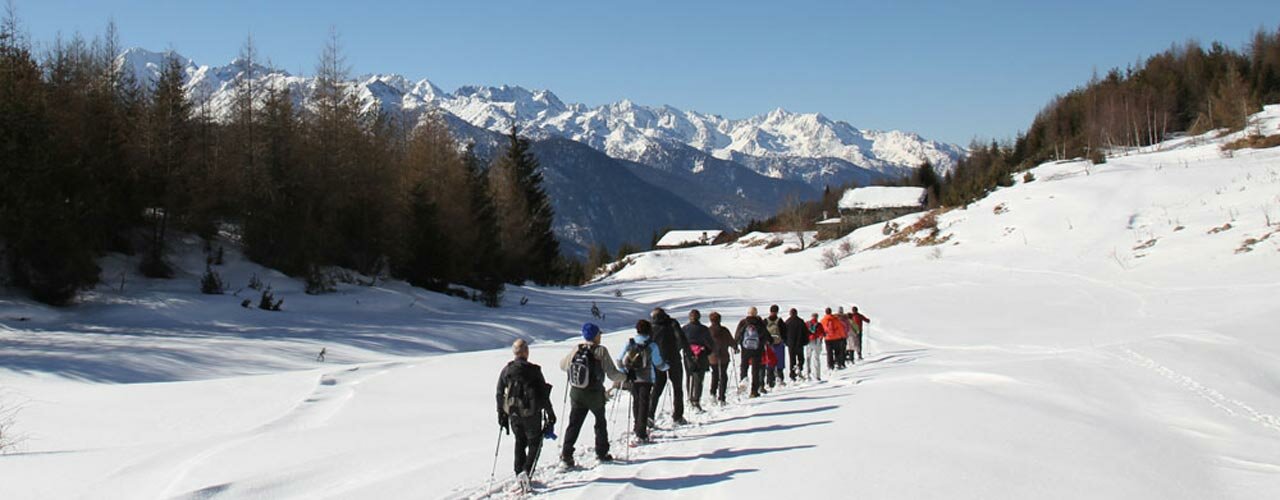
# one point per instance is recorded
(631, 402)
(488, 488)
(565, 402)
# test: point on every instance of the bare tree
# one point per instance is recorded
(794, 217)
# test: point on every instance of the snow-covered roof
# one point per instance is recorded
(873, 197)
(689, 236)
(831, 221)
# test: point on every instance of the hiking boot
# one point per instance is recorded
(606, 458)
(567, 462)
(680, 421)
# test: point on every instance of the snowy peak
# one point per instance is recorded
(783, 144)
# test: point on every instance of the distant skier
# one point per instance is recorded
(524, 408)
(320, 357)
(833, 327)
(588, 365)
(813, 352)
(722, 342)
(858, 321)
(670, 339)
(776, 327)
(642, 361)
(796, 337)
(751, 336)
(697, 363)
(595, 310)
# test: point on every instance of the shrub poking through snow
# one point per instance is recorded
(1253, 141)
(927, 222)
(268, 302)
(830, 258)
(8, 438)
(318, 282)
(1028, 177)
(1219, 229)
(846, 248)
(211, 282)
(254, 282)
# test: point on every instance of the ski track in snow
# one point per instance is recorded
(1228, 405)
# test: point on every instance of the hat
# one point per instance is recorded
(590, 331)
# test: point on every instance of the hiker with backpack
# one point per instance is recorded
(814, 350)
(642, 361)
(670, 339)
(777, 330)
(588, 365)
(721, 343)
(834, 329)
(697, 363)
(846, 351)
(751, 337)
(796, 336)
(858, 320)
(524, 408)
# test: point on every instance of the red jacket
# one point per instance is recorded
(834, 328)
(858, 320)
(770, 359)
(815, 330)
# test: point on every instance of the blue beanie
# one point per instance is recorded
(589, 331)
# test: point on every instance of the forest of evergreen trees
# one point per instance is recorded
(1183, 89)
(92, 162)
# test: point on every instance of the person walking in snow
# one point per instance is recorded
(847, 349)
(696, 364)
(796, 336)
(722, 342)
(642, 361)
(776, 327)
(751, 337)
(858, 321)
(814, 350)
(833, 327)
(524, 408)
(588, 365)
(674, 346)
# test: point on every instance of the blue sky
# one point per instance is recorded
(948, 70)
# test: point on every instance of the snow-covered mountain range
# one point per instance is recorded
(732, 170)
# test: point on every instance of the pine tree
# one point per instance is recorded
(529, 246)
(169, 133)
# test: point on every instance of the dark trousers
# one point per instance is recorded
(835, 354)
(528, 432)
(752, 359)
(676, 376)
(719, 381)
(577, 417)
(795, 354)
(640, 394)
(696, 378)
(857, 345)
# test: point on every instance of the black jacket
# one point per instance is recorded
(531, 374)
(742, 328)
(670, 338)
(797, 333)
(697, 333)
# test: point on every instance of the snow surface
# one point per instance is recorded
(1099, 332)
(872, 197)
(683, 237)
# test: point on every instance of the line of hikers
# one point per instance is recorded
(764, 348)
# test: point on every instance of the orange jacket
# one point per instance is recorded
(834, 327)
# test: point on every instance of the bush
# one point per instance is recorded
(268, 302)
(211, 283)
(1028, 177)
(254, 282)
(830, 258)
(1097, 157)
(318, 282)
(8, 438)
(154, 266)
(847, 248)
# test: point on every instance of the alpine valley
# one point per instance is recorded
(617, 172)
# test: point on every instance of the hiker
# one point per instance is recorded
(588, 366)
(722, 341)
(858, 321)
(813, 351)
(796, 336)
(696, 365)
(641, 361)
(835, 337)
(846, 350)
(750, 337)
(674, 346)
(776, 328)
(595, 310)
(524, 408)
